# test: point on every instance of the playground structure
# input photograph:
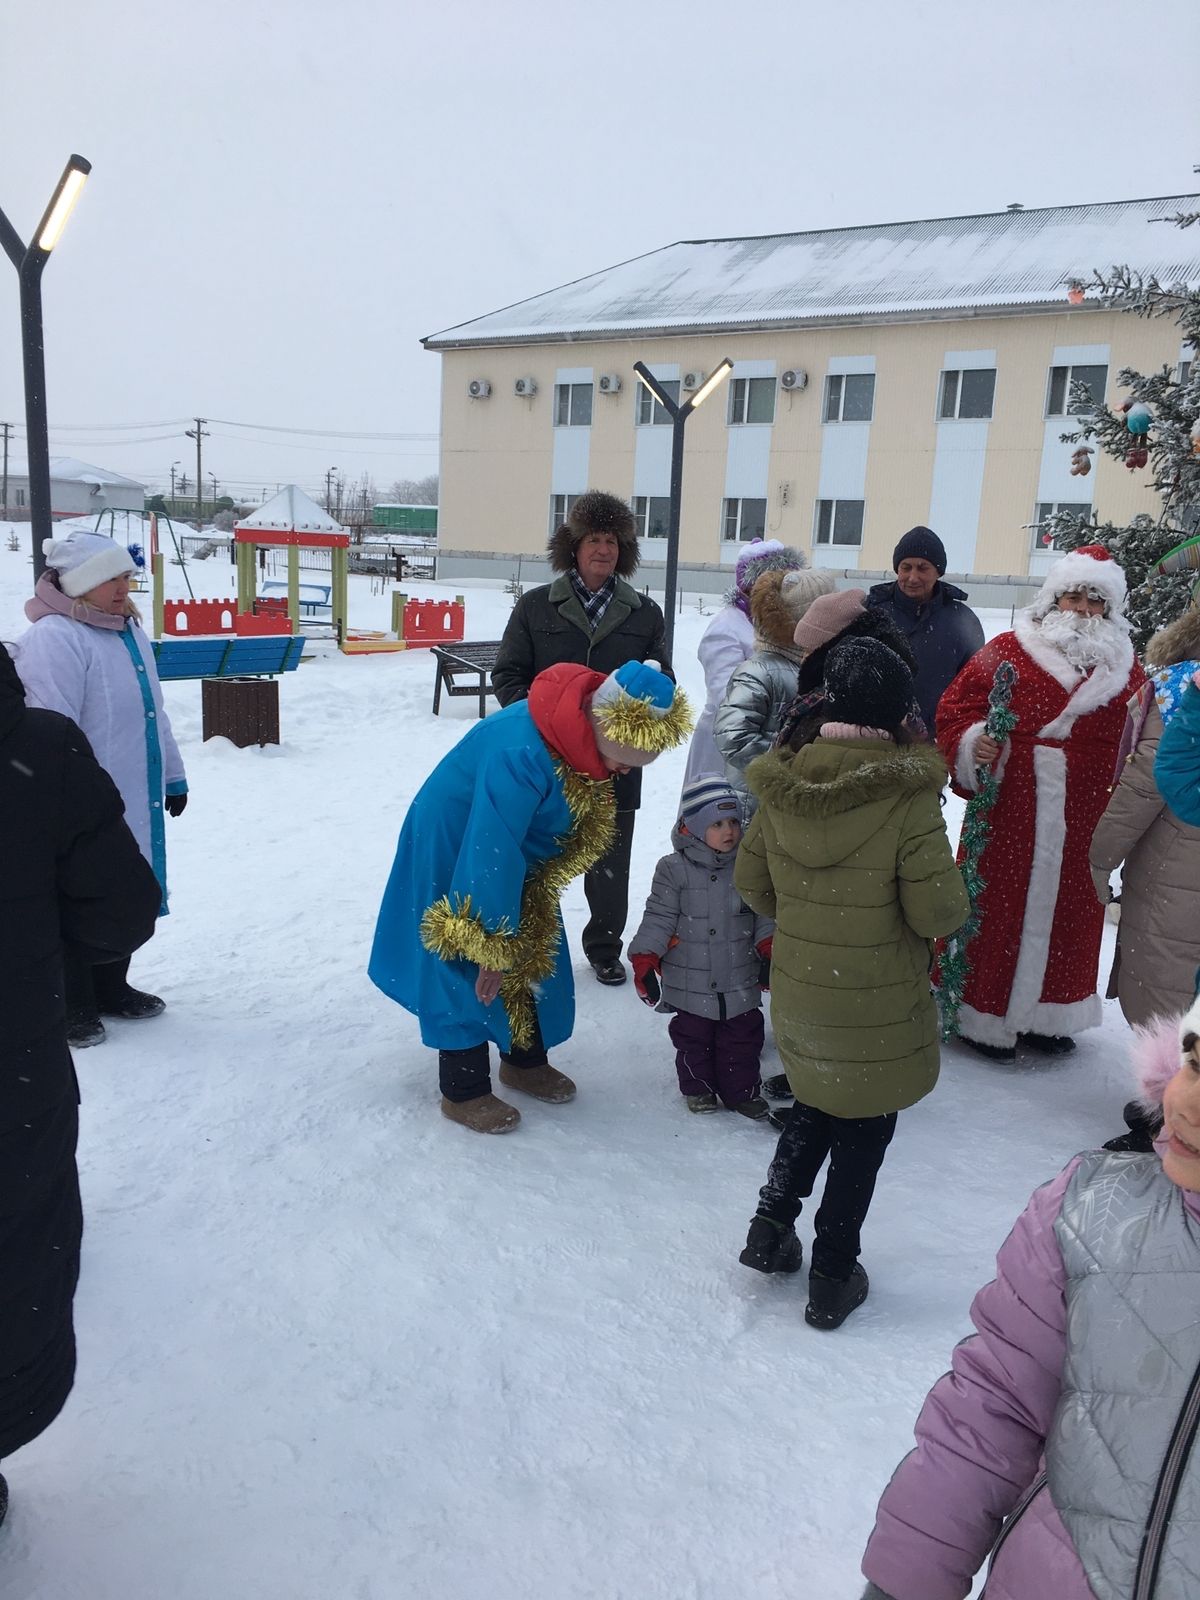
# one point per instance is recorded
(293, 522)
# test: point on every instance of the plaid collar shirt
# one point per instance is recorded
(594, 605)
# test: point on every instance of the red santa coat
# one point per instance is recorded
(1035, 959)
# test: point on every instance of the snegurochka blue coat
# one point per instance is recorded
(488, 840)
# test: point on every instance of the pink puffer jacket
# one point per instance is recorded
(983, 1427)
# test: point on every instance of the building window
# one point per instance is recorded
(1047, 508)
(849, 396)
(649, 412)
(572, 405)
(651, 514)
(752, 400)
(968, 393)
(1185, 373)
(20, 493)
(1058, 398)
(839, 522)
(745, 519)
(560, 509)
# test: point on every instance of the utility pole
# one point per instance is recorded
(174, 464)
(198, 433)
(213, 476)
(7, 426)
(328, 493)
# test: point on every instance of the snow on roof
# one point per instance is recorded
(66, 469)
(1006, 258)
(291, 511)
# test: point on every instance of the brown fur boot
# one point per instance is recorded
(543, 1083)
(484, 1114)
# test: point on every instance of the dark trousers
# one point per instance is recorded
(466, 1074)
(90, 987)
(718, 1056)
(855, 1147)
(606, 888)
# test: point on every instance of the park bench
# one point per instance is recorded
(316, 599)
(474, 661)
(239, 699)
(262, 656)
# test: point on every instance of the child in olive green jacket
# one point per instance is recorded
(848, 853)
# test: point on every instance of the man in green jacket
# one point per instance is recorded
(592, 616)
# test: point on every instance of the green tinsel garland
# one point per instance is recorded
(954, 967)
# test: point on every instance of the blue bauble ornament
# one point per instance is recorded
(1138, 419)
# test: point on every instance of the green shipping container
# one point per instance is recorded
(411, 519)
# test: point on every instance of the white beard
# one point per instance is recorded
(1086, 642)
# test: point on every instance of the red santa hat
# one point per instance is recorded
(1090, 570)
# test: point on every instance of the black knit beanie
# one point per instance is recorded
(867, 684)
(920, 544)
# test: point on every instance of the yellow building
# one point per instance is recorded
(883, 376)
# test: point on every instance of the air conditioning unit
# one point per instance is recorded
(793, 378)
(609, 383)
(525, 387)
(692, 380)
(479, 388)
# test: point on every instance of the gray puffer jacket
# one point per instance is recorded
(711, 970)
(751, 714)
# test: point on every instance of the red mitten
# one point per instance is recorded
(763, 948)
(646, 970)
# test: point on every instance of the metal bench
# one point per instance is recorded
(317, 599)
(465, 660)
(262, 656)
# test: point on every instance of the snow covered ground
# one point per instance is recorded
(334, 1348)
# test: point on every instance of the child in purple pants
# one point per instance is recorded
(701, 953)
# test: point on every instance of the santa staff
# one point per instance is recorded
(1035, 959)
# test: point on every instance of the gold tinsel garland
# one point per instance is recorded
(631, 722)
(455, 932)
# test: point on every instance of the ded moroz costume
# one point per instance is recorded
(1035, 958)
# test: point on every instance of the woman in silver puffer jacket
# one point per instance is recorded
(762, 688)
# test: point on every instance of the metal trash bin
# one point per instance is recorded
(243, 710)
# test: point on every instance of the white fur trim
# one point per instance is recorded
(964, 760)
(1075, 571)
(1049, 836)
(984, 1028)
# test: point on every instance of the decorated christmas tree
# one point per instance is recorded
(1154, 429)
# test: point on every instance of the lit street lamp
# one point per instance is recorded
(29, 262)
(678, 415)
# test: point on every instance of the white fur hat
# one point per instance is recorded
(1089, 568)
(83, 561)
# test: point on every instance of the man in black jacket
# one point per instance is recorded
(73, 879)
(943, 632)
(592, 616)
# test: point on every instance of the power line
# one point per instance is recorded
(322, 433)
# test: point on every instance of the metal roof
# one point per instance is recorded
(1006, 260)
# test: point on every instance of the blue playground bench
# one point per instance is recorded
(310, 604)
(255, 656)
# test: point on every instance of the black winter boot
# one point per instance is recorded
(772, 1247)
(778, 1088)
(1047, 1044)
(3, 1499)
(83, 1030)
(992, 1052)
(830, 1301)
(134, 1004)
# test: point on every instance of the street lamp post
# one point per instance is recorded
(678, 415)
(29, 260)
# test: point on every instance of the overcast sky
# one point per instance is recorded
(288, 194)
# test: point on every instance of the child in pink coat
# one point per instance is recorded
(1064, 1438)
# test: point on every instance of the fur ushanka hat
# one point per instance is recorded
(596, 512)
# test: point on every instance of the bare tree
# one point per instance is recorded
(414, 491)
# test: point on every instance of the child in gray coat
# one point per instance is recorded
(703, 954)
